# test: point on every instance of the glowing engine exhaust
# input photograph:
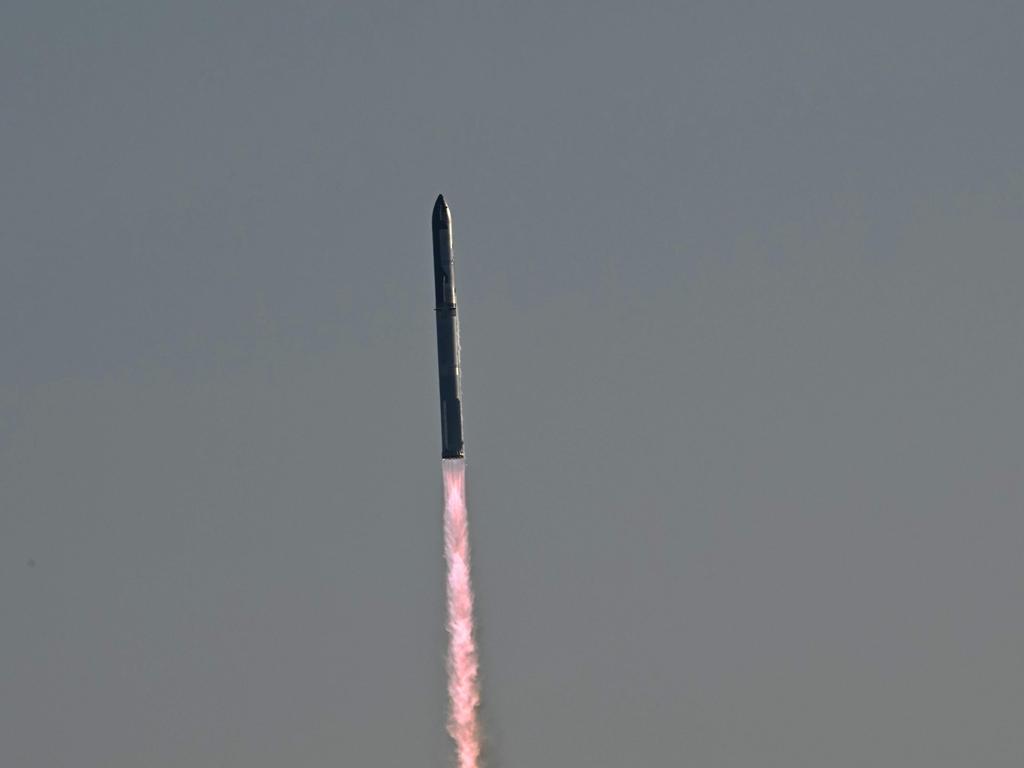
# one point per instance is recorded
(463, 690)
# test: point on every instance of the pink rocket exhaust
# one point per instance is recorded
(463, 687)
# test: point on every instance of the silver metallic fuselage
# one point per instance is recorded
(449, 371)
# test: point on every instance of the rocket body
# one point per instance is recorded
(449, 372)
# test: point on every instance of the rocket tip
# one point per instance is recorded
(441, 215)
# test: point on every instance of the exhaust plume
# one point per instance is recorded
(463, 688)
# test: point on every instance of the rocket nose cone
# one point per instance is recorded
(441, 214)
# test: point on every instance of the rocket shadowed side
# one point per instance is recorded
(449, 372)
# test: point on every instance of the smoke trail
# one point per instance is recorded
(463, 690)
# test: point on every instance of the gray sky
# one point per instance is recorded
(743, 344)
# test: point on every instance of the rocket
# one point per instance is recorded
(449, 371)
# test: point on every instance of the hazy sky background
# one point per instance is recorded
(743, 342)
